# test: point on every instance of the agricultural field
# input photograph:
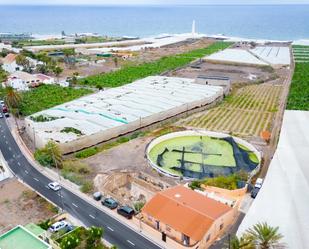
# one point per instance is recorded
(129, 74)
(247, 112)
(301, 54)
(47, 96)
(299, 92)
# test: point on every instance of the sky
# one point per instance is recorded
(151, 2)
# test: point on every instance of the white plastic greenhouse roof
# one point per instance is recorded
(122, 105)
(232, 55)
(283, 200)
(273, 55)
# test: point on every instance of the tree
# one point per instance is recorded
(57, 71)
(70, 242)
(22, 61)
(240, 243)
(55, 153)
(94, 237)
(12, 98)
(42, 68)
(264, 236)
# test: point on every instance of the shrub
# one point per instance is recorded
(195, 185)
(43, 158)
(71, 130)
(42, 118)
(138, 206)
(87, 187)
(87, 152)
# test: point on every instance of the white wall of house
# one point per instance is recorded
(12, 67)
(18, 84)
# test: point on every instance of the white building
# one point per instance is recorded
(223, 81)
(107, 114)
(9, 64)
(45, 79)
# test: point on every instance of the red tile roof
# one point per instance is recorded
(185, 211)
(9, 59)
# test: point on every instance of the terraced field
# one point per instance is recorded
(246, 113)
(301, 54)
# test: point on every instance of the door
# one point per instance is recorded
(163, 237)
(157, 225)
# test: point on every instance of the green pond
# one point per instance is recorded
(198, 150)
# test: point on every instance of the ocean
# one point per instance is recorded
(277, 22)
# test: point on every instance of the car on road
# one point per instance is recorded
(58, 226)
(126, 211)
(54, 186)
(254, 192)
(258, 183)
(110, 203)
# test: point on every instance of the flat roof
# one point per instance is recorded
(283, 200)
(213, 77)
(185, 210)
(273, 54)
(19, 237)
(121, 105)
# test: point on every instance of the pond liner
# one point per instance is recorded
(242, 161)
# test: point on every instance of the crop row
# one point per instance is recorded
(129, 74)
(298, 98)
(248, 112)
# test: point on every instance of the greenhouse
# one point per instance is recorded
(107, 114)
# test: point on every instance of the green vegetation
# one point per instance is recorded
(82, 238)
(227, 182)
(259, 236)
(92, 39)
(42, 118)
(299, 92)
(130, 73)
(47, 96)
(87, 152)
(49, 156)
(22, 43)
(139, 205)
(77, 173)
(71, 130)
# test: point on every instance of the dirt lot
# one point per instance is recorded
(237, 74)
(19, 205)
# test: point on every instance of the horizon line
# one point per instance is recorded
(134, 5)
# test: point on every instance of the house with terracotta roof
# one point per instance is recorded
(21, 81)
(187, 217)
(9, 63)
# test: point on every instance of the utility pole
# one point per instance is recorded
(60, 196)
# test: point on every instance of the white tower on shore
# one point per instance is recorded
(193, 28)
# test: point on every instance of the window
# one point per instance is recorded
(221, 226)
(208, 238)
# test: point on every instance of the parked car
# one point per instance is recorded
(258, 183)
(58, 226)
(254, 192)
(97, 196)
(126, 211)
(54, 186)
(1, 103)
(1, 115)
(6, 114)
(110, 203)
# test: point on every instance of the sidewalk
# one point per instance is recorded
(75, 189)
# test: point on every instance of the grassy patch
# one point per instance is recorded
(47, 96)
(71, 130)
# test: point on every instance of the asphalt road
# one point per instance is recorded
(114, 232)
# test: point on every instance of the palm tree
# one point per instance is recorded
(55, 153)
(13, 99)
(264, 236)
(240, 243)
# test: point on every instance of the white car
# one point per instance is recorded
(54, 186)
(258, 183)
(58, 226)
(1, 115)
(2, 103)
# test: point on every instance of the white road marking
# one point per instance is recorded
(74, 205)
(26, 172)
(46, 187)
(10, 149)
(6, 142)
(13, 155)
(109, 228)
(130, 242)
(91, 216)
(18, 163)
(36, 179)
